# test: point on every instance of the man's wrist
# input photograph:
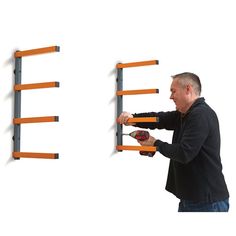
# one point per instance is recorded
(157, 143)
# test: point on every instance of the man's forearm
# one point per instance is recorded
(146, 125)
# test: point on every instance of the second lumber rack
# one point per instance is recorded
(120, 93)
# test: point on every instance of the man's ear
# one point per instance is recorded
(188, 88)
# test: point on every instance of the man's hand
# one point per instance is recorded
(123, 118)
(148, 142)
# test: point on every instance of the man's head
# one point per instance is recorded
(185, 89)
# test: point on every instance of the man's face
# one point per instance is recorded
(179, 95)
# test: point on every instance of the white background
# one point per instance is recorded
(91, 189)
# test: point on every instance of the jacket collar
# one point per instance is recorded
(195, 103)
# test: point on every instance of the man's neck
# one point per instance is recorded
(189, 104)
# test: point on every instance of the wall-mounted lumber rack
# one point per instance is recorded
(120, 93)
(18, 120)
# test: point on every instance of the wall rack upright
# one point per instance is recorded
(18, 120)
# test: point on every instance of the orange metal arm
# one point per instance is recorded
(36, 86)
(37, 51)
(135, 64)
(35, 155)
(136, 148)
(142, 119)
(134, 92)
(36, 119)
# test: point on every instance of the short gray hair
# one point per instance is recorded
(189, 78)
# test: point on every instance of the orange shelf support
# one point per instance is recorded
(19, 87)
(18, 155)
(134, 92)
(141, 119)
(37, 51)
(36, 119)
(136, 148)
(135, 64)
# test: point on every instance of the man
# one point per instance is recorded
(195, 170)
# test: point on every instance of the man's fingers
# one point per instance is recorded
(124, 117)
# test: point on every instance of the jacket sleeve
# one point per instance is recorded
(166, 120)
(194, 135)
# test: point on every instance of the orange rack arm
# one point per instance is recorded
(37, 51)
(134, 92)
(36, 119)
(142, 119)
(135, 64)
(36, 86)
(35, 155)
(137, 148)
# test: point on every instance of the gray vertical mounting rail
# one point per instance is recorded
(119, 81)
(17, 104)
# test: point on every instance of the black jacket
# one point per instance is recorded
(195, 170)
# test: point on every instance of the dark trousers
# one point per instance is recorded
(191, 206)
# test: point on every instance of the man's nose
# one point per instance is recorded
(171, 96)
